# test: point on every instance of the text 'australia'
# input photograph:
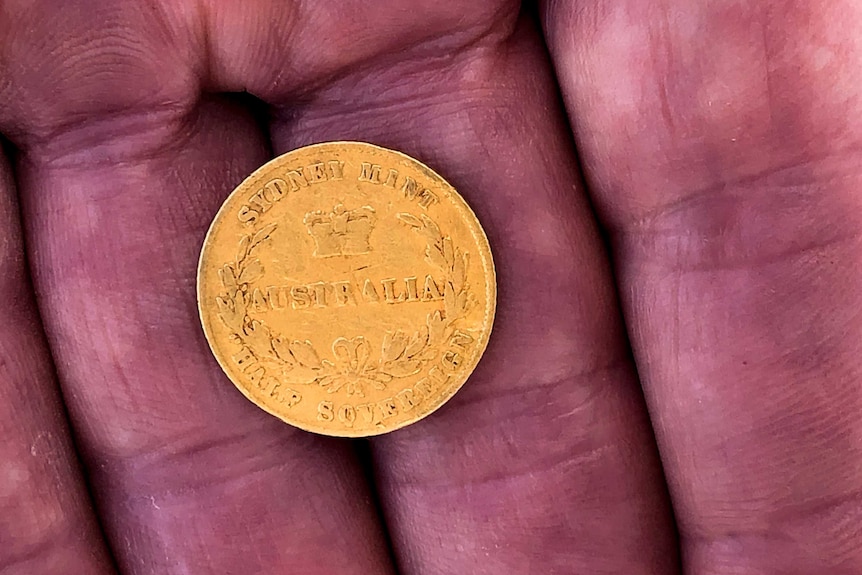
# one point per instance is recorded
(347, 293)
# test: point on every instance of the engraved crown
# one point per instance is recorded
(341, 232)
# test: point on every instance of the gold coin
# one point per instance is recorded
(347, 289)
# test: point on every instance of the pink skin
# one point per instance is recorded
(719, 144)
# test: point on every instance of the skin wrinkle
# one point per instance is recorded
(133, 136)
(464, 38)
(708, 252)
(795, 175)
(581, 380)
(560, 452)
(468, 69)
(189, 456)
(33, 560)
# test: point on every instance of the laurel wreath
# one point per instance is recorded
(352, 366)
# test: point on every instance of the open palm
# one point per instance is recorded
(673, 384)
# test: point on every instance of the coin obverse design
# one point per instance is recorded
(347, 289)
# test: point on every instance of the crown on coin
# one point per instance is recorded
(341, 232)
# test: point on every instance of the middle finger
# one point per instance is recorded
(545, 461)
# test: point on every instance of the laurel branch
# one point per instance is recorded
(352, 366)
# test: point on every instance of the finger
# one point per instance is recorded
(544, 462)
(724, 156)
(47, 524)
(120, 179)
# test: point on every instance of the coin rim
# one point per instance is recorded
(479, 235)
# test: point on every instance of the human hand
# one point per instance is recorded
(718, 141)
